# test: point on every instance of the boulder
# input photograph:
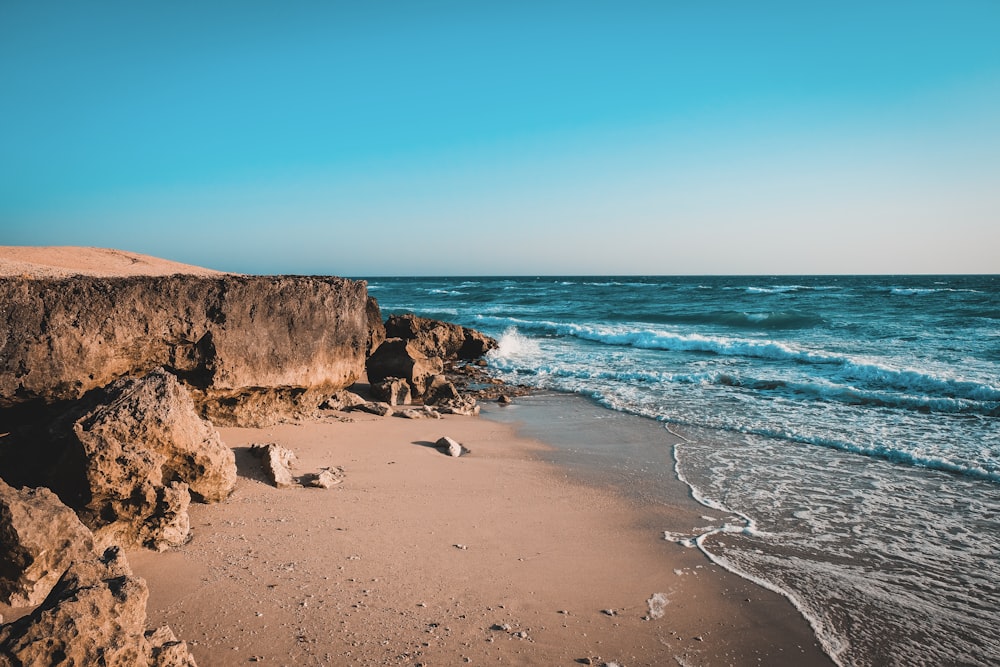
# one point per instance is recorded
(95, 615)
(444, 340)
(394, 391)
(39, 539)
(146, 452)
(277, 462)
(398, 358)
(445, 397)
(228, 337)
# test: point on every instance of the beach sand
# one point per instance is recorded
(497, 557)
(65, 261)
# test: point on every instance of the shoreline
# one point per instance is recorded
(507, 555)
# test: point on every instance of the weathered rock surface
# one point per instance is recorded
(39, 538)
(394, 391)
(445, 397)
(444, 340)
(230, 337)
(422, 412)
(146, 451)
(277, 462)
(326, 478)
(376, 329)
(95, 615)
(342, 400)
(398, 358)
(375, 408)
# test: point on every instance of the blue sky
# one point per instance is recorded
(369, 139)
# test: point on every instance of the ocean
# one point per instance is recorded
(847, 428)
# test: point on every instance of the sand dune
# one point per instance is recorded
(64, 261)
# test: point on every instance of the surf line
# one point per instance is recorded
(832, 644)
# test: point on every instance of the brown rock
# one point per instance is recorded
(342, 400)
(444, 340)
(450, 446)
(394, 391)
(227, 336)
(277, 462)
(326, 478)
(95, 615)
(145, 448)
(39, 539)
(398, 358)
(376, 329)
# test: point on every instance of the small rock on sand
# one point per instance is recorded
(451, 447)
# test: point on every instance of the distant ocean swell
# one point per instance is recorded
(943, 394)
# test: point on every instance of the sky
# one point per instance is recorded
(518, 138)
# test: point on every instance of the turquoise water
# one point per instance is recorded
(843, 431)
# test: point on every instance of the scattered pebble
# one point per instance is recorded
(462, 547)
(609, 612)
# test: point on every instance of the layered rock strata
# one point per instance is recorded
(263, 340)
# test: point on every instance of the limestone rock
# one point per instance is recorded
(39, 539)
(398, 358)
(222, 335)
(376, 329)
(444, 340)
(95, 615)
(394, 391)
(165, 650)
(375, 408)
(145, 450)
(451, 447)
(277, 462)
(445, 397)
(342, 400)
(422, 412)
(326, 478)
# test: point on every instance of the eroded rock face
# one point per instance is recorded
(225, 336)
(277, 462)
(444, 340)
(398, 358)
(146, 453)
(394, 391)
(95, 615)
(39, 538)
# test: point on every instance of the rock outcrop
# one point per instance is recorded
(446, 341)
(230, 338)
(95, 615)
(39, 538)
(418, 349)
(399, 358)
(146, 452)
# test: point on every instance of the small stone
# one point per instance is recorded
(451, 447)
(608, 612)
(462, 547)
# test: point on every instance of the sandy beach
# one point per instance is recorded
(521, 552)
(420, 558)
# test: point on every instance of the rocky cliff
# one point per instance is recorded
(240, 343)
